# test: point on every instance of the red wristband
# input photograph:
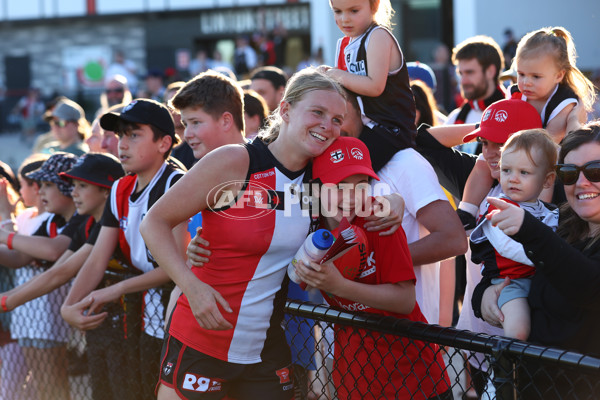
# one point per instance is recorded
(9, 240)
(3, 303)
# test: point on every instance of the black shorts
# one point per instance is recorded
(383, 143)
(194, 375)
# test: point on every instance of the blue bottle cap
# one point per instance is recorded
(322, 239)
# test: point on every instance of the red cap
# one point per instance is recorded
(505, 117)
(345, 157)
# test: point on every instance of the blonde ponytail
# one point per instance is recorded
(558, 42)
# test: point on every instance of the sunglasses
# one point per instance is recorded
(59, 122)
(569, 173)
(108, 91)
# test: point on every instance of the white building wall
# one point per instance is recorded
(32, 9)
(580, 17)
(323, 31)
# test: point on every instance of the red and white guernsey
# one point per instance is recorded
(252, 241)
(127, 210)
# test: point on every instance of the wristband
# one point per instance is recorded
(9, 240)
(3, 303)
(468, 207)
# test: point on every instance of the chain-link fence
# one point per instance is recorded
(337, 355)
(474, 365)
(43, 358)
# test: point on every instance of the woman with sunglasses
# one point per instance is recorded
(453, 169)
(565, 291)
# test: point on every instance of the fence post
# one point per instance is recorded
(503, 368)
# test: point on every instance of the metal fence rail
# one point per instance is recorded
(516, 370)
(389, 359)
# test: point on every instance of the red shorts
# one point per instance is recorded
(194, 375)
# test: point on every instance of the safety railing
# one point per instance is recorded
(475, 365)
(336, 355)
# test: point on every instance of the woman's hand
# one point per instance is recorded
(324, 276)
(204, 303)
(506, 216)
(489, 304)
(197, 250)
(78, 316)
(386, 212)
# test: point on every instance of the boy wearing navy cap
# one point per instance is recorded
(146, 136)
(98, 169)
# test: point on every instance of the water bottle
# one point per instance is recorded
(313, 249)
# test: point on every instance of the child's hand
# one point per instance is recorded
(336, 74)
(386, 212)
(197, 250)
(102, 296)
(489, 304)
(323, 68)
(77, 315)
(325, 276)
(506, 216)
